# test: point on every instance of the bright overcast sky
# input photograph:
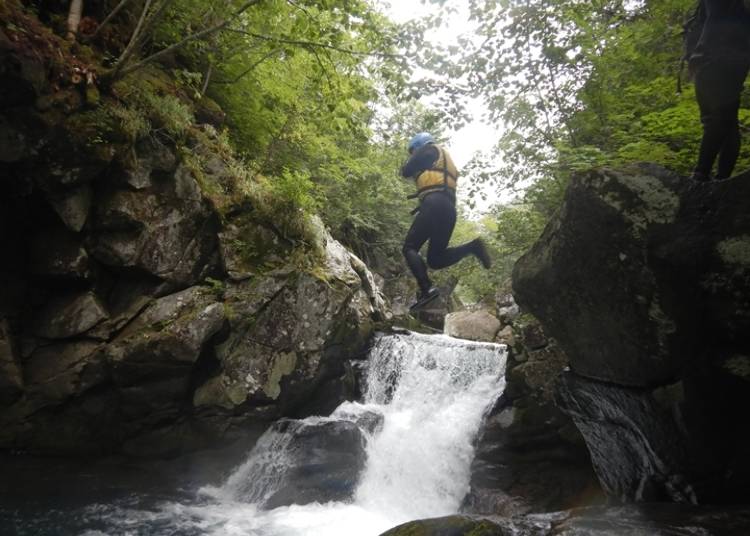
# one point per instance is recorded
(478, 135)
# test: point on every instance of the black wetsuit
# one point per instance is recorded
(720, 64)
(434, 222)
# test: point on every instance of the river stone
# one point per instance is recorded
(11, 376)
(463, 526)
(70, 315)
(472, 325)
(323, 462)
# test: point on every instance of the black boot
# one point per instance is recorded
(481, 253)
(424, 297)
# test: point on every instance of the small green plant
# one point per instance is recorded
(216, 286)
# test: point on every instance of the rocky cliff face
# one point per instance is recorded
(643, 278)
(144, 307)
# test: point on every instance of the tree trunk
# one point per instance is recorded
(74, 18)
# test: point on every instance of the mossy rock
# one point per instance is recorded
(448, 526)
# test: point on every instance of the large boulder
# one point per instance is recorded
(291, 331)
(643, 278)
(322, 462)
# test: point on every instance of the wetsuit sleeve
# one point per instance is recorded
(424, 158)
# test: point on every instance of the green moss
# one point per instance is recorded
(739, 365)
(735, 250)
(655, 202)
(283, 364)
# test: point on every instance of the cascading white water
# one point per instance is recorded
(429, 394)
(433, 392)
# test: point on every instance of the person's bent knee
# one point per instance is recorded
(435, 262)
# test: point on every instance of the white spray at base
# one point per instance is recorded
(432, 392)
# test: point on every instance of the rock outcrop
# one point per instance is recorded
(147, 307)
(643, 278)
(530, 457)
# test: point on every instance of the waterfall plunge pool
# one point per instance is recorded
(424, 404)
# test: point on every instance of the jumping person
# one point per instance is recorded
(436, 178)
(720, 65)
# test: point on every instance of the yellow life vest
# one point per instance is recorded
(441, 176)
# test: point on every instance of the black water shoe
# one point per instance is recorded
(480, 250)
(423, 298)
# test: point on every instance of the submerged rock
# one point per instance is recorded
(643, 278)
(323, 461)
(646, 520)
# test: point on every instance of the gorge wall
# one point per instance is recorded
(643, 279)
(151, 300)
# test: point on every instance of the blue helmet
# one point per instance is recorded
(420, 140)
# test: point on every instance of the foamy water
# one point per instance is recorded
(432, 392)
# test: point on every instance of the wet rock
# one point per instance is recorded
(643, 279)
(72, 206)
(472, 325)
(530, 457)
(149, 156)
(11, 377)
(290, 332)
(467, 526)
(323, 459)
(507, 308)
(164, 341)
(58, 253)
(13, 145)
(639, 441)
(168, 230)
(69, 316)
(55, 373)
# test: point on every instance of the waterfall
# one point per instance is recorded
(424, 402)
(404, 452)
(433, 392)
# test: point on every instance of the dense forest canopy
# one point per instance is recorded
(318, 99)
